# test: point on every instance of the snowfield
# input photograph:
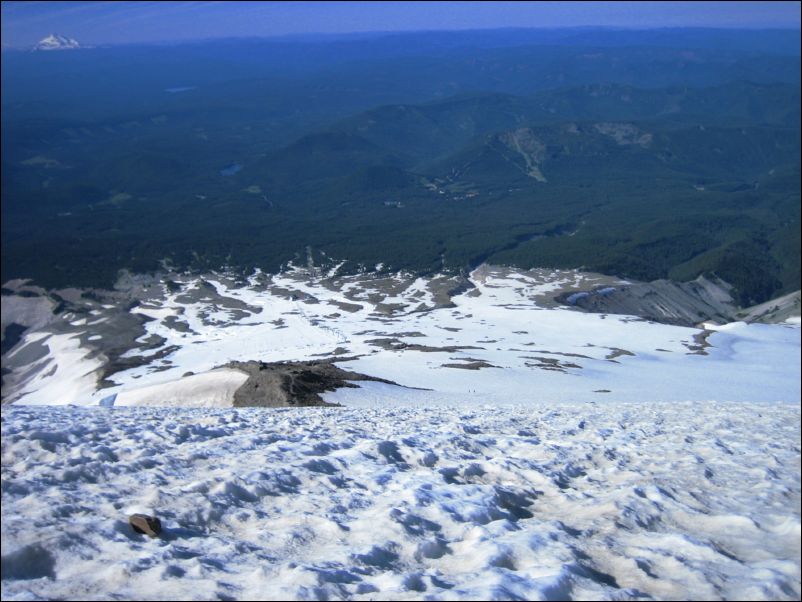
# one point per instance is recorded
(527, 451)
(500, 339)
(597, 500)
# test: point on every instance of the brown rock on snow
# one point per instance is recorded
(142, 523)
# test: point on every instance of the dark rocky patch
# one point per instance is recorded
(292, 384)
(587, 357)
(477, 365)
(408, 333)
(338, 351)
(699, 344)
(292, 294)
(616, 352)
(549, 363)
(397, 345)
(389, 309)
(349, 307)
(117, 363)
(463, 285)
(11, 336)
(176, 323)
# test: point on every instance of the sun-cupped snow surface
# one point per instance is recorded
(601, 500)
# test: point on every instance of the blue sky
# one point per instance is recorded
(24, 23)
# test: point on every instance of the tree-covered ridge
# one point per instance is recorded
(550, 155)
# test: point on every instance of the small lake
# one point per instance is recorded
(231, 169)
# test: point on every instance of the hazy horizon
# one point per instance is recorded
(25, 23)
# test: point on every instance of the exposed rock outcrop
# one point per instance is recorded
(679, 303)
(292, 384)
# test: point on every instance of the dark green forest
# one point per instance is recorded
(640, 155)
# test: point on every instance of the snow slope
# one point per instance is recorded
(603, 500)
(214, 389)
(496, 342)
(545, 453)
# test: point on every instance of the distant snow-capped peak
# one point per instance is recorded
(57, 42)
